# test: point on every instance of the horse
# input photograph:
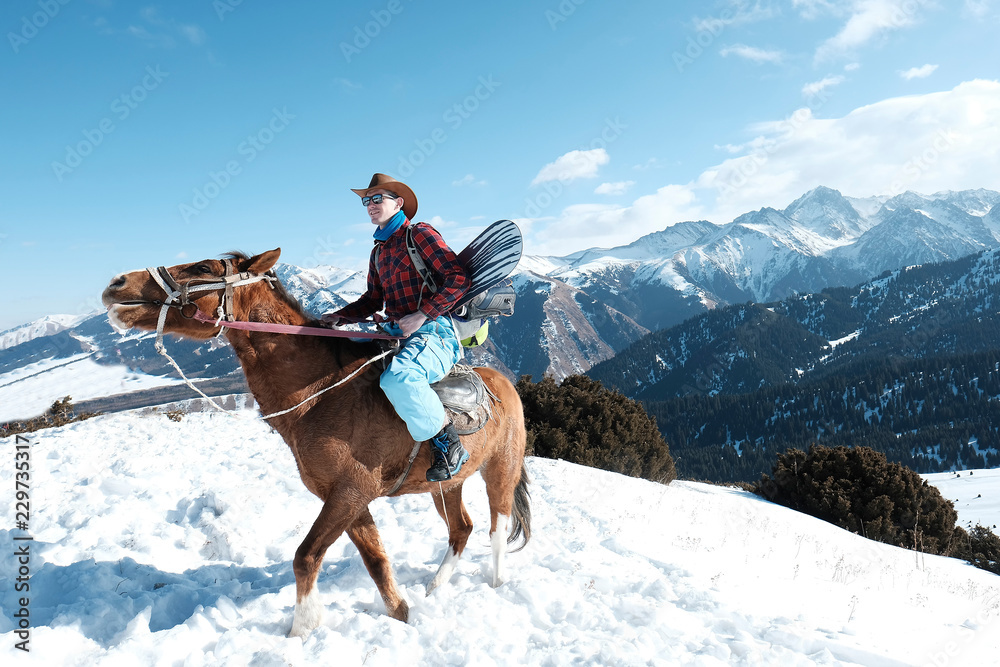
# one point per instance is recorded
(348, 443)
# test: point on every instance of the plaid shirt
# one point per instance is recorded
(394, 282)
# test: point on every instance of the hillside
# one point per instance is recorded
(152, 547)
(906, 364)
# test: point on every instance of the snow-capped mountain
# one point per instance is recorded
(820, 240)
(46, 326)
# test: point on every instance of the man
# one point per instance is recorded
(431, 347)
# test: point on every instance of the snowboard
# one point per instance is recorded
(491, 257)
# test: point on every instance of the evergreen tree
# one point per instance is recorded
(582, 422)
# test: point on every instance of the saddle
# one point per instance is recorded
(466, 399)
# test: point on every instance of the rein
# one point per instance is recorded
(178, 296)
(292, 329)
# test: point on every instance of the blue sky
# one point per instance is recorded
(138, 134)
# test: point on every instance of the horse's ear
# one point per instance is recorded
(262, 262)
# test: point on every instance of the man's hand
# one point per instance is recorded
(332, 320)
(410, 323)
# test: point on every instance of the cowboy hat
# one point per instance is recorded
(390, 184)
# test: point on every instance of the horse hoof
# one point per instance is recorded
(308, 615)
(401, 613)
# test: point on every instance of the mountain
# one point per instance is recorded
(820, 240)
(163, 542)
(906, 364)
(46, 326)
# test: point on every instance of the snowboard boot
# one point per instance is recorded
(449, 455)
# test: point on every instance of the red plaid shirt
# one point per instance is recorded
(394, 282)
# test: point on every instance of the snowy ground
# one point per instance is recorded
(169, 543)
(976, 494)
(28, 391)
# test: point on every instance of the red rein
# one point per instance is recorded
(292, 329)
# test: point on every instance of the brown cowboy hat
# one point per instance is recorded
(383, 182)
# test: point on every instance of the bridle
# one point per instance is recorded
(179, 296)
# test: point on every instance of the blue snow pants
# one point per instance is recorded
(427, 356)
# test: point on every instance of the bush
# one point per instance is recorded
(857, 489)
(981, 547)
(59, 414)
(582, 422)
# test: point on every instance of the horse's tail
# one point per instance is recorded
(521, 512)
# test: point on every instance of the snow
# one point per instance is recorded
(841, 341)
(46, 326)
(158, 542)
(976, 494)
(30, 390)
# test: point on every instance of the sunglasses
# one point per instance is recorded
(375, 199)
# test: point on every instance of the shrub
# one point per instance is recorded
(980, 546)
(582, 422)
(59, 413)
(856, 488)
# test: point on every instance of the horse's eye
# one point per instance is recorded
(203, 268)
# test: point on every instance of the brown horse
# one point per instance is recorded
(349, 444)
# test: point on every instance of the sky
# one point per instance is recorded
(138, 134)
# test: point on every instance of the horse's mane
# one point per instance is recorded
(279, 287)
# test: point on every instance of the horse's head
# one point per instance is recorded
(138, 298)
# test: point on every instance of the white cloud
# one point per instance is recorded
(938, 141)
(573, 165)
(926, 143)
(737, 13)
(978, 9)
(811, 9)
(816, 87)
(603, 225)
(468, 179)
(616, 188)
(850, 67)
(752, 53)
(158, 31)
(651, 163)
(870, 19)
(918, 72)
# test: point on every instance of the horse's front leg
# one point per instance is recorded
(366, 538)
(333, 519)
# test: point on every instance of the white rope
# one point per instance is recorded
(162, 350)
(332, 386)
(444, 507)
